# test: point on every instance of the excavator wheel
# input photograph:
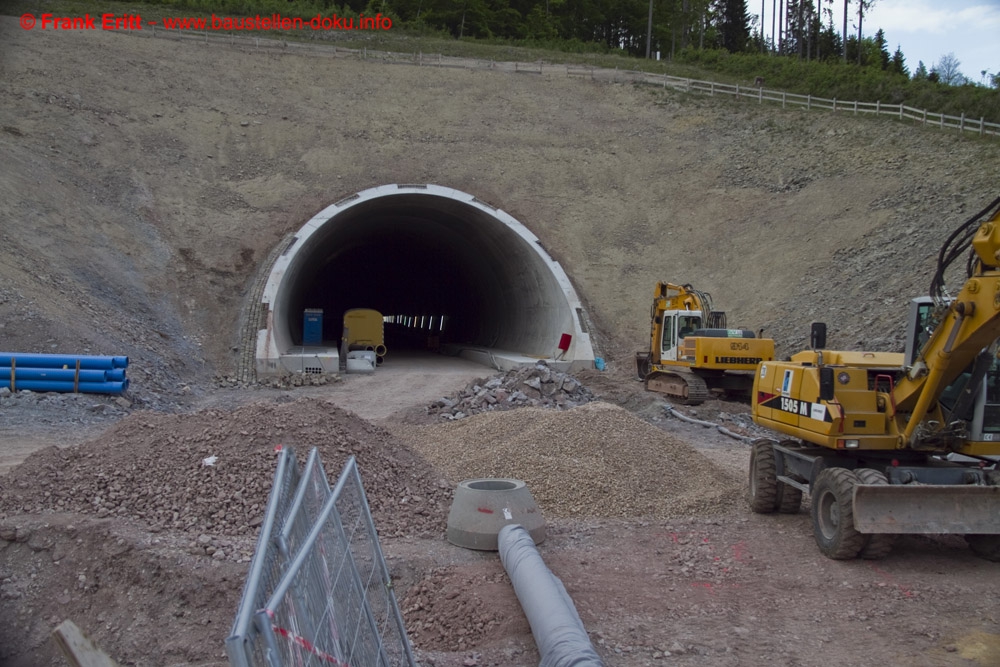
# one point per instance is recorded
(833, 514)
(763, 488)
(985, 546)
(878, 545)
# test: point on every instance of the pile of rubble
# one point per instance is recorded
(532, 386)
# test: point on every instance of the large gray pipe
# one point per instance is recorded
(559, 633)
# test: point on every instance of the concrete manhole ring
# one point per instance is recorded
(482, 507)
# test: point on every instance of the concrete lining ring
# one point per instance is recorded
(429, 256)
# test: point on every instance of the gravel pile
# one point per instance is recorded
(596, 460)
(534, 386)
(277, 382)
(152, 468)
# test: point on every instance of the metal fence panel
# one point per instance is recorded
(242, 646)
(312, 493)
(335, 604)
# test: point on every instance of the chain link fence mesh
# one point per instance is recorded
(334, 603)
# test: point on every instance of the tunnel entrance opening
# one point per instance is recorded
(448, 272)
(409, 277)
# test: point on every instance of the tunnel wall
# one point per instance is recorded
(510, 302)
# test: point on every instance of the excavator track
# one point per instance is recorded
(687, 388)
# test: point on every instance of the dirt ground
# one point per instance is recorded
(145, 180)
(702, 581)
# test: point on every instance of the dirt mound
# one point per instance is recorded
(158, 469)
(596, 460)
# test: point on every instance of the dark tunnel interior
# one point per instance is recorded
(412, 261)
(401, 274)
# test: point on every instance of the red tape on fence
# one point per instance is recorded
(305, 644)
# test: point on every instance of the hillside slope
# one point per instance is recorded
(144, 182)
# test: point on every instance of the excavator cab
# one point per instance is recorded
(986, 411)
(676, 326)
(974, 396)
(687, 325)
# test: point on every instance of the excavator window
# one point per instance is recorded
(991, 416)
(668, 334)
(687, 325)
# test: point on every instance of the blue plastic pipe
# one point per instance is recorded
(55, 374)
(61, 361)
(83, 387)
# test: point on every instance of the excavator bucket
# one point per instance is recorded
(927, 509)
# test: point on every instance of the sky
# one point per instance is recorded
(925, 30)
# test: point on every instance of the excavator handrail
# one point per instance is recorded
(892, 386)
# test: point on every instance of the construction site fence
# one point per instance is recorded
(759, 94)
(319, 591)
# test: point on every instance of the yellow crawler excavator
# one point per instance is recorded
(894, 443)
(692, 355)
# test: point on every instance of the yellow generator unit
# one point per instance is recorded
(363, 332)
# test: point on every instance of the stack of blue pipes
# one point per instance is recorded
(66, 373)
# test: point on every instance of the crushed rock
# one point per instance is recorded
(528, 386)
(596, 460)
(289, 381)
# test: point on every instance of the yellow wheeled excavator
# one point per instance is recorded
(894, 443)
(691, 352)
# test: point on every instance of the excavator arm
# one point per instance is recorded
(971, 322)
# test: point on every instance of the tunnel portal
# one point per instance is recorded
(448, 272)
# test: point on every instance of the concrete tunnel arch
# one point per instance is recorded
(424, 251)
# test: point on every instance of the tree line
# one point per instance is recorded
(809, 47)
(811, 30)
(799, 29)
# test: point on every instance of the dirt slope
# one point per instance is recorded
(145, 180)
